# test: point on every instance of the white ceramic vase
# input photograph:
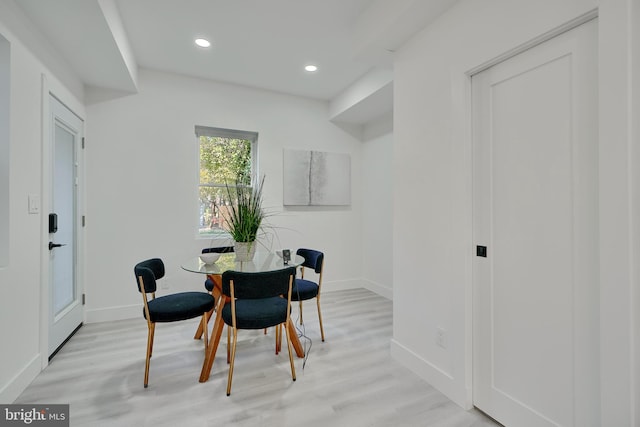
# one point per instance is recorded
(245, 250)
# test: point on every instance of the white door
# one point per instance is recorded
(535, 293)
(65, 296)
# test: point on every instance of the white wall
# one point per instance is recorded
(142, 179)
(4, 151)
(634, 135)
(377, 209)
(21, 280)
(432, 187)
(619, 246)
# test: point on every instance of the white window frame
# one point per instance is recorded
(222, 133)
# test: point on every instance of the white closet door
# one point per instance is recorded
(535, 336)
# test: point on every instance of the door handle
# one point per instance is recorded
(56, 245)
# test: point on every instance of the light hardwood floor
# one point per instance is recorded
(349, 380)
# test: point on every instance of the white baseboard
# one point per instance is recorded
(435, 376)
(383, 291)
(113, 313)
(10, 392)
(339, 285)
(132, 311)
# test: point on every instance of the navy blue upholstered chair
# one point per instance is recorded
(168, 308)
(304, 289)
(208, 284)
(257, 301)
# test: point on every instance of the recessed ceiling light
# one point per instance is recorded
(311, 68)
(203, 42)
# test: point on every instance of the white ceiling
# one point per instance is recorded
(257, 43)
(260, 43)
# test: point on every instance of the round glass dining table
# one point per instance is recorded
(262, 261)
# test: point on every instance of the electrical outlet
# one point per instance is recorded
(164, 285)
(441, 337)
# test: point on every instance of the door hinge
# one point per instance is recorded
(83, 142)
(83, 220)
(84, 299)
(481, 251)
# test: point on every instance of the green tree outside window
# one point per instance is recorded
(224, 162)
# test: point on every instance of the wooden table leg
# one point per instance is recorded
(216, 333)
(217, 281)
(295, 342)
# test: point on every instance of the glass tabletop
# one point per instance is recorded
(262, 261)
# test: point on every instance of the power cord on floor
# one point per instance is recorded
(302, 334)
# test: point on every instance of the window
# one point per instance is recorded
(227, 158)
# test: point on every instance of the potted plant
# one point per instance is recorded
(244, 216)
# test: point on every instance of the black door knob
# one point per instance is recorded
(55, 245)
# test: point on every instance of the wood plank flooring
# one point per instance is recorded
(349, 380)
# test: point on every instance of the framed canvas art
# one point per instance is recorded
(316, 178)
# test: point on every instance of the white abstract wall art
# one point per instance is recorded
(316, 178)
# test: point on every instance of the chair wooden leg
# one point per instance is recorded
(293, 368)
(278, 338)
(153, 332)
(152, 327)
(200, 329)
(228, 344)
(205, 331)
(276, 328)
(320, 319)
(233, 358)
(300, 304)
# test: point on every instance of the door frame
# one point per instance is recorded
(53, 88)
(463, 87)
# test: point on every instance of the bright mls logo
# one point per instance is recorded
(36, 415)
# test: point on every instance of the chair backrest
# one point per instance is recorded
(312, 259)
(150, 270)
(218, 250)
(257, 285)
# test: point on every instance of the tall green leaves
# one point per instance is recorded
(244, 214)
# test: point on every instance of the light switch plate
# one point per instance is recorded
(34, 203)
